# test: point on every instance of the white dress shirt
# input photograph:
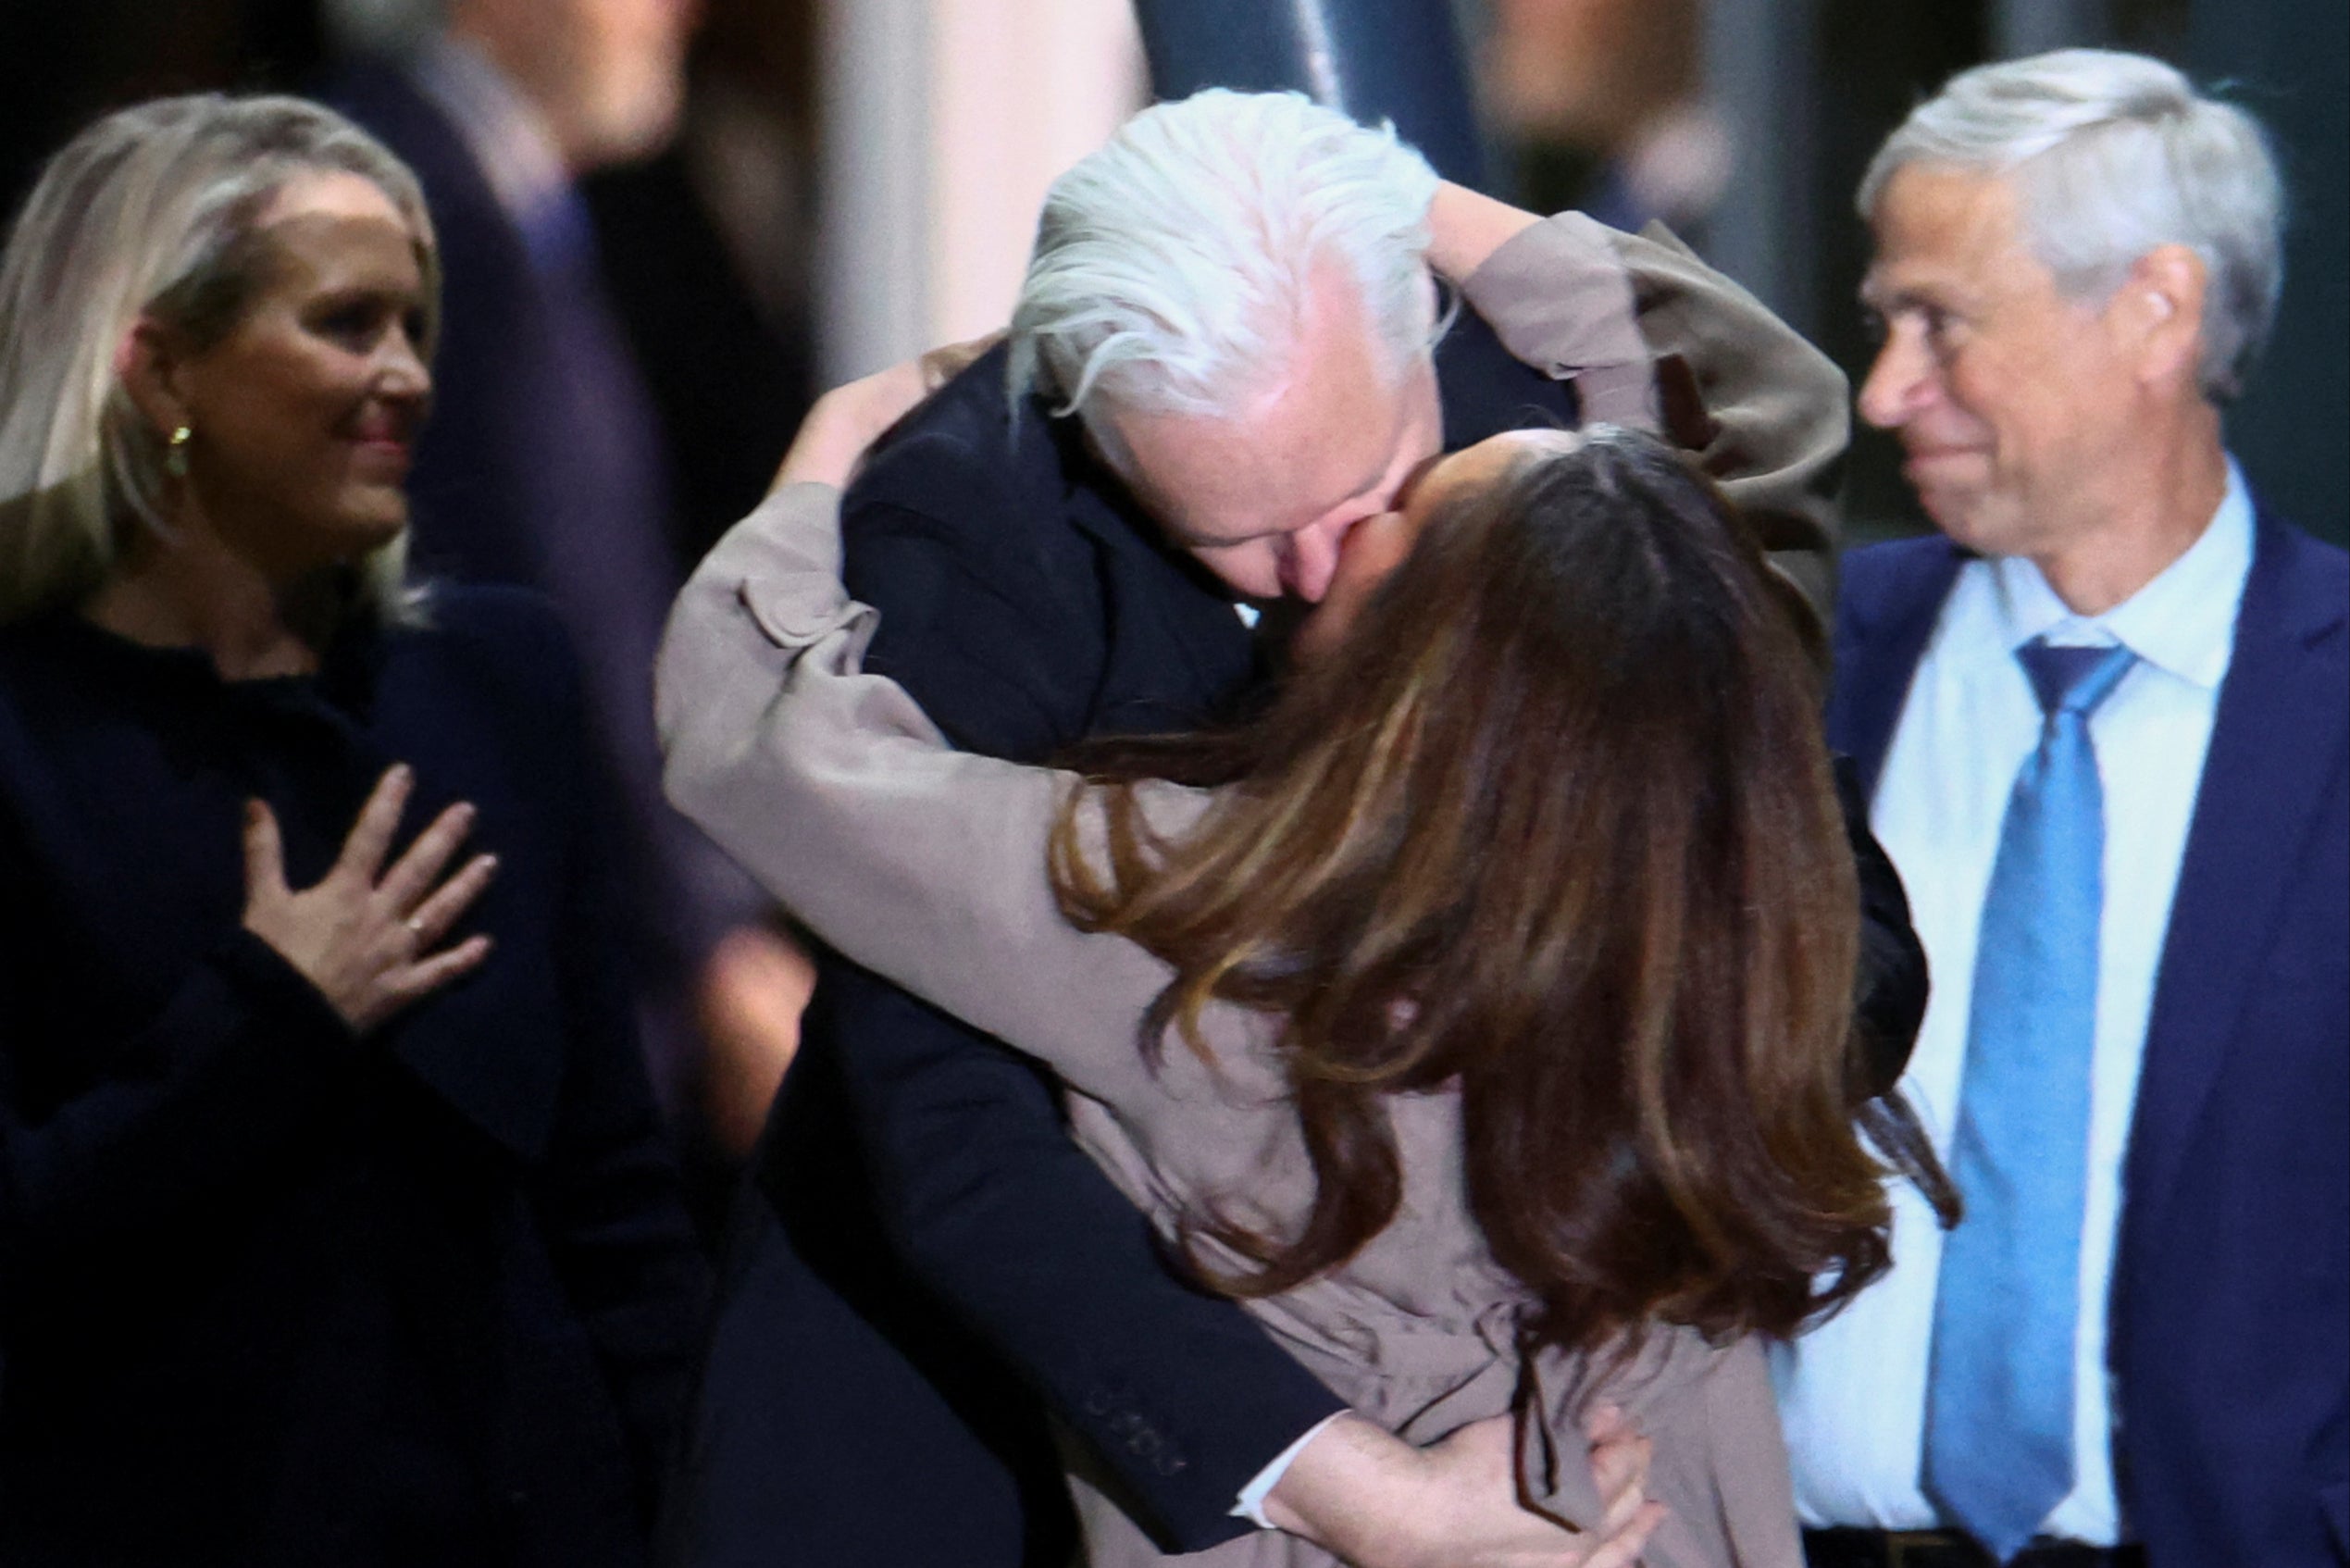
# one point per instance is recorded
(1853, 1391)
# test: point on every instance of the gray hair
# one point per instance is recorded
(1173, 267)
(2111, 154)
(153, 212)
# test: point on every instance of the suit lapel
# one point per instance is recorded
(2277, 735)
(1177, 652)
(1891, 600)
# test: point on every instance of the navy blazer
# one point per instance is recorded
(2230, 1314)
(271, 1293)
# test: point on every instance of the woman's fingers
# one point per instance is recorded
(420, 979)
(412, 876)
(264, 860)
(1625, 1547)
(365, 941)
(430, 920)
(1620, 1467)
(370, 836)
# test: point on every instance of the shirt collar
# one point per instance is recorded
(2183, 622)
(508, 138)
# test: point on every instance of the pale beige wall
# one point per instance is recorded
(945, 122)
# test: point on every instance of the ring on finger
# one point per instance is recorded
(416, 926)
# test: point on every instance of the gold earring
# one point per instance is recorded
(175, 453)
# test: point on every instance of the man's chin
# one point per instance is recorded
(1971, 521)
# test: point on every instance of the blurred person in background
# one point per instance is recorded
(2104, 714)
(336, 1220)
(707, 249)
(1601, 104)
(547, 467)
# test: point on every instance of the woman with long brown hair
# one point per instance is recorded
(1494, 986)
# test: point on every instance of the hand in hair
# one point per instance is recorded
(1378, 1503)
(365, 940)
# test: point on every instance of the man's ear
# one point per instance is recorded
(2159, 310)
(152, 365)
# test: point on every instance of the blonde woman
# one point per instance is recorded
(335, 1225)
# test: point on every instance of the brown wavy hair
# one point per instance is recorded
(1554, 824)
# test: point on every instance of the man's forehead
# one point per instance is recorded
(1936, 229)
(1283, 467)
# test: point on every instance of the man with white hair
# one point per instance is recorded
(1234, 300)
(2104, 717)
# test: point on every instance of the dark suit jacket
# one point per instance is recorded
(543, 465)
(269, 1293)
(2230, 1317)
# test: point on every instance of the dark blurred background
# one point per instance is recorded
(705, 245)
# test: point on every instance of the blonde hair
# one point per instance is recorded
(151, 213)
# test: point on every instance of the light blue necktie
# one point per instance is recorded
(1998, 1440)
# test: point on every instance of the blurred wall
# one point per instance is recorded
(944, 121)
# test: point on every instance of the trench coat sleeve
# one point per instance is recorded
(919, 862)
(1655, 339)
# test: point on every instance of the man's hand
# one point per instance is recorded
(1378, 1503)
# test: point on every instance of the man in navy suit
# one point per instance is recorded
(2077, 257)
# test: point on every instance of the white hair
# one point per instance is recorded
(1173, 267)
(2110, 155)
(152, 214)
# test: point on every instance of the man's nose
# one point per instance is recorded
(1310, 558)
(1899, 381)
